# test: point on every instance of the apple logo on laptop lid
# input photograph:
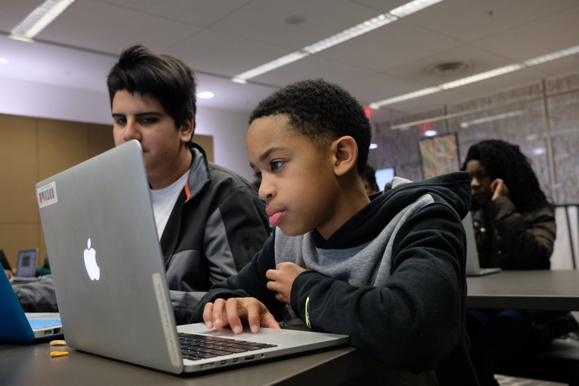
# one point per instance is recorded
(94, 272)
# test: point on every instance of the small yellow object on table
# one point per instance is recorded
(55, 354)
(58, 343)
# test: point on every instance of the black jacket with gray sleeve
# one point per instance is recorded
(392, 278)
(217, 224)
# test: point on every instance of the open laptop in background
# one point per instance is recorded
(26, 268)
(14, 324)
(472, 263)
(110, 280)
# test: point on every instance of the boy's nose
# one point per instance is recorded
(132, 132)
(266, 191)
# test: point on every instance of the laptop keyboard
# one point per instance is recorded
(196, 347)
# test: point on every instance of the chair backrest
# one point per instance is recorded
(566, 248)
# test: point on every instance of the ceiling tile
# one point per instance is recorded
(314, 67)
(111, 29)
(390, 46)
(558, 67)
(481, 61)
(500, 83)
(265, 20)
(224, 54)
(200, 13)
(538, 38)
(474, 20)
(14, 11)
(379, 87)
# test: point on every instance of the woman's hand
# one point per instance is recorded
(499, 189)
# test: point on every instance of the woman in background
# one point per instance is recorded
(514, 224)
(515, 229)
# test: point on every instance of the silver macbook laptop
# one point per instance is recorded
(472, 264)
(18, 327)
(110, 279)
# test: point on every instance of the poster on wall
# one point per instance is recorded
(438, 155)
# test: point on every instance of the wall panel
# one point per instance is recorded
(61, 145)
(100, 139)
(18, 169)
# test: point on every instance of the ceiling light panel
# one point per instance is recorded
(279, 62)
(412, 7)
(40, 18)
(350, 33)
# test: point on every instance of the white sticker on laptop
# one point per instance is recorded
(174, 352)
(46, 195)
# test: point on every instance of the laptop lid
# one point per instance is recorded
(106, 260)
(472, 263)
(27, 263)
(109, 272)
(15, 326)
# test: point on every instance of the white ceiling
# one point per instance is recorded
(222, 38)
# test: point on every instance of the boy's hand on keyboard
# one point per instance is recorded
(230, 312)
(281, 280)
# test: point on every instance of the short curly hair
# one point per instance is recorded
(167, 79)
(504, 160)
(323, 112)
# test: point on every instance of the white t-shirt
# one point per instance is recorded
(164, 201)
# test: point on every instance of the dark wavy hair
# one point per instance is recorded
(323, 112)
(504, 160)
(167, 79)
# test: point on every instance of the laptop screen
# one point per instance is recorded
(27, 263)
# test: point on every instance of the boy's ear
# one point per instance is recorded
(345, 150)
(186, 130)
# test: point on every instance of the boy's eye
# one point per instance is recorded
(275, 165)
(258, 175)
(146, 120)
(120, 121)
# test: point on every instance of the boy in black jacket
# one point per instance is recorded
(387, 272)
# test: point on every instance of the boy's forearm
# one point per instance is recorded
(249, 282)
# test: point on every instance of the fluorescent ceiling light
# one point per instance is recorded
(373, 146)
(360, 29)
(39, 19)
(414, 94)
(478, 121)
(205, 95)
(411, 7)
(4, 60)
(553, 56)
(350, 33)
(482, 76)
(477, 77)
(279, 62)
(430, 133)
